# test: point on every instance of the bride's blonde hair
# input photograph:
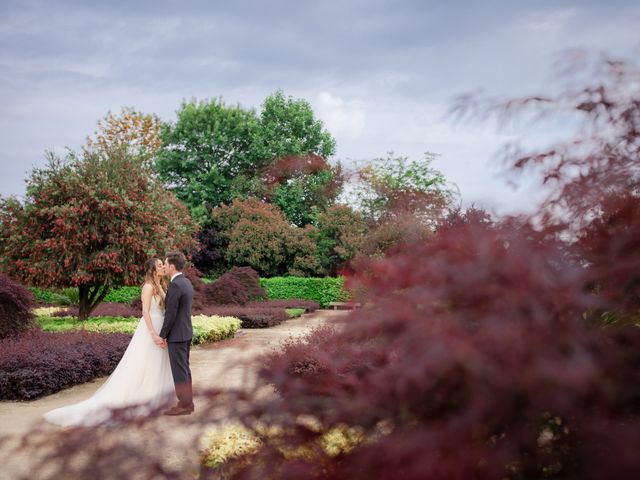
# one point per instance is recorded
(158, 282)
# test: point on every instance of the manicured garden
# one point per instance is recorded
(49, 348)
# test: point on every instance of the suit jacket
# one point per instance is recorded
(177, 325)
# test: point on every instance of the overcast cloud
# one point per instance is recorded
(379, 73)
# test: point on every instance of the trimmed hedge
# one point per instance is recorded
(205, 328)
(322, 290)
(214, 328)
(123, 295)
(39, 363)
(69, 296)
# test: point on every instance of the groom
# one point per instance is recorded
(177, 331)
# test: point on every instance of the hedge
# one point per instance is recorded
(205, 328)
(322, 290)
(39, 363)
(123, 294)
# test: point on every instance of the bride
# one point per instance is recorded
(143, 377)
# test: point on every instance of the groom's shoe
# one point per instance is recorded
(178, 410)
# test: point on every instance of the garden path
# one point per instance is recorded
(221, 364)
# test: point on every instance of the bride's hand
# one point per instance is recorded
(158, 340)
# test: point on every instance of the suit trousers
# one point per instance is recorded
(179, 360)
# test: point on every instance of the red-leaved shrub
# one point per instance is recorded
(39, 363)
(16, 303)
(195, 277)
(251, 281)
(480, 354)
(474, 362)
(226, 290)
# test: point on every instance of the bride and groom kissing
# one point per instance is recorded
(154, 370)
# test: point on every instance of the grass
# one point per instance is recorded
(295, 312)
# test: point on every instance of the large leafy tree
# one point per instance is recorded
(341, 233)
(257, 234)
(288, 126)
(215, 153)
(395, 185)
(136, 132)
(302, 186)
(90, 221)
(207, 154)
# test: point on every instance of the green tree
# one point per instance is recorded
(395, 186)
(288, 127)
(215, 153)
(303, 186)
(257, 234)
(206, 157)
(341, 232)
(90, 222)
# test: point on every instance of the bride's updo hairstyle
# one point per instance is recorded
(158, 282)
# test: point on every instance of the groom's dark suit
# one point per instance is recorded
(178, 330)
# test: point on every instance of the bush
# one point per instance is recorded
(195, 277)
(50, 297)
(226, 290)
(16, 303)
(251, 281)
(456, 349)
(209, 254)
(322, 290)
(39, 363)
(306, 305)
(214, 328)
(206, 328)
(250, 317)
(258, 234)
(123, 295)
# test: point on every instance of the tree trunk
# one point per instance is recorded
(90, 298)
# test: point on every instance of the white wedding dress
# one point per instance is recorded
(143, 377)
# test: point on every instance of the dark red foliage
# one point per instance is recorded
(251, 281)
(209, 254)
(474, 348)
(295, 166)
(195, 277)
(476, 356)
(16, 303)
(39, 363)
(252, 317)
(472, 215)
(226, 290)
(308, 305)
(105, 310)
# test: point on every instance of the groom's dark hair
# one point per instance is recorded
(177, 260)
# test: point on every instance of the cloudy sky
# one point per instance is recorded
(381, 74)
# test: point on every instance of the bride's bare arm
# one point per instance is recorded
(147, 293)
